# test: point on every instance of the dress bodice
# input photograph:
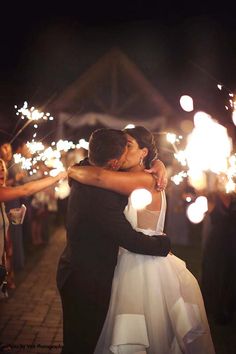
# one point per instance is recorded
(147, 221)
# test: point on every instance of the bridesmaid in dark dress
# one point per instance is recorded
(218, 261)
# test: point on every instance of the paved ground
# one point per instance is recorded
(30, 319)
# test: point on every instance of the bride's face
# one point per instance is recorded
(134, 154)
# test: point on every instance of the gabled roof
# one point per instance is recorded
(114, 85)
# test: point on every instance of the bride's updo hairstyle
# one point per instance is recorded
(145, 139)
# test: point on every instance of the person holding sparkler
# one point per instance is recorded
(11, 193)
(14, 177)
(218, 260)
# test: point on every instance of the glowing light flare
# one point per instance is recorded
(26, 164)
(140, 198)
(202, 203)
(202, 120)
(64, 145)
(129, 126)
(178, 178)
(186, 103)
(196, 211)
(230, 186)
(197, 179)
(35, 146)
(181, 157)
(62, 190)
(58, 168)
(171, 138)
(83, 144)
(208, 146)
(17, 158)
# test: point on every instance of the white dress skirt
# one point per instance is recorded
(156, 305)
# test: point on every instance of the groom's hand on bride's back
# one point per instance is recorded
(167, 244)
(159, 172)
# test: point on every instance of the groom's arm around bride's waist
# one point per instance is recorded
(115, 226)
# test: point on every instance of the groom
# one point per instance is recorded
(96, 227)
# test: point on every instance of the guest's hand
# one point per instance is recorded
(158, 170)
(62, 175)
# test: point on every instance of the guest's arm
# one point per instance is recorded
(10, 193)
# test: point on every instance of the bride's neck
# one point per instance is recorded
(137, 168)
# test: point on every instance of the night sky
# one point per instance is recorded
(179, 50)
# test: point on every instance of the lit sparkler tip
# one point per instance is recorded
(171, 138)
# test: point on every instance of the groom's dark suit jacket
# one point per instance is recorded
(96, 227)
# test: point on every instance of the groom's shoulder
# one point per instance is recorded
(98, 193)
(71, 181)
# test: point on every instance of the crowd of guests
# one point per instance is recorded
(37, 193)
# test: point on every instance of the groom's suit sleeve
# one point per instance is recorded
(110, 217)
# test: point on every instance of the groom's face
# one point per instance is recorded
(122, 159)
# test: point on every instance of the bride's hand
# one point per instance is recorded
(158, 170)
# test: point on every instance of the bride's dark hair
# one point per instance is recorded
(145, 139)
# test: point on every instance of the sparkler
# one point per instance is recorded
(31, 114)
(207, 154)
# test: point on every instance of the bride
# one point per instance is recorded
(156, 305)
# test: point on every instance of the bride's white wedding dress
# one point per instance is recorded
(156, 305)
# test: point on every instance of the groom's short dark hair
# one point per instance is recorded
(106, 144)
